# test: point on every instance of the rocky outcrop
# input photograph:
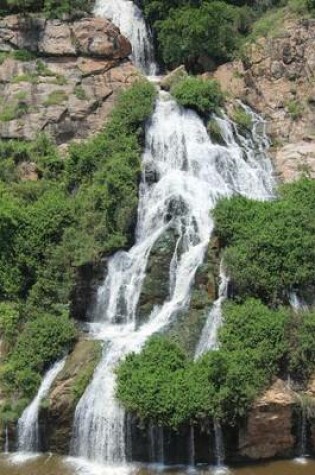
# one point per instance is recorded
(69, 86)
(276, 78)
(56, 418)
(269, 428)
(92, 37)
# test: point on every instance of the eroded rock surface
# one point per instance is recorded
(70, 86)
(276, 78)
(269, 426)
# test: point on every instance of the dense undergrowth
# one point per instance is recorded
(77, 210)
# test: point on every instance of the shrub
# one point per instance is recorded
(242, 118)
(40, 344)
(270, 245)
(204, 96)
(295, 109)
(160, 384)
(56, 98)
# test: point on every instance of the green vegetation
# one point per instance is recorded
(80, 93)
(85, 375)
(242, 118)
(295, 109)
(270, 246)
(56, 98)
(163, 385)
(78, 210)
(204, 96)
(13, 110)
(52, 8)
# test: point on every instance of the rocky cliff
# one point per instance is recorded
(60, 77)
(276, 78)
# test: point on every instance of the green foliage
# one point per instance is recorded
(9, 322)
(52, 8)
(77, 210)
(270, 245)
(191, 33)
(41, 342)
(80, 93)
(56, 98)
(242, 118)
(205, 96)
(162, 385)
(295, 109)
(302, 341)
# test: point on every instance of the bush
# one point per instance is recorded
(40, 344)
(160, 384)
(242, 118)
(204, 96)
(270, 246)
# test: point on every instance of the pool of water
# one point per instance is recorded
(52, 465)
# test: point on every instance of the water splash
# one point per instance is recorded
(129, 19)
(191, 174)
(28, 428)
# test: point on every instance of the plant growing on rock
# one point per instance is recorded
(204, 96)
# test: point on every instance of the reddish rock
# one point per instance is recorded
(269, 426)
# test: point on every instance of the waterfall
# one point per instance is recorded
(303, 435)
(129, 19)
(208, 340)
(6, 443)
(297, 304)
(191, 175)
(192, 450)
(219, 445)
(28, 429)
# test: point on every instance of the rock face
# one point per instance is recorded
(70, 86)
(93, 37)
(269, 430)
(57, 418)
(276, 78)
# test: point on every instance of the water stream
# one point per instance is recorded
(28, 428)
(129, 19)
(190, 174)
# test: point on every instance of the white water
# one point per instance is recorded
(129, 19)
(6, 443)
(28, 430)
(192, 174)
(297, 304)
(209, 337)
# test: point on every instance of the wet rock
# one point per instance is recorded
(56, 418)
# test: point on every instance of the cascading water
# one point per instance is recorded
(129, 19)
(208, 340)
(28, 430)
(219, 446)
(6, 443)
(191, 175)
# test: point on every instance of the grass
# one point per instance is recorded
(80, 93)
(13, 111)
(242, 118)
(56, 98)
(295, 109)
